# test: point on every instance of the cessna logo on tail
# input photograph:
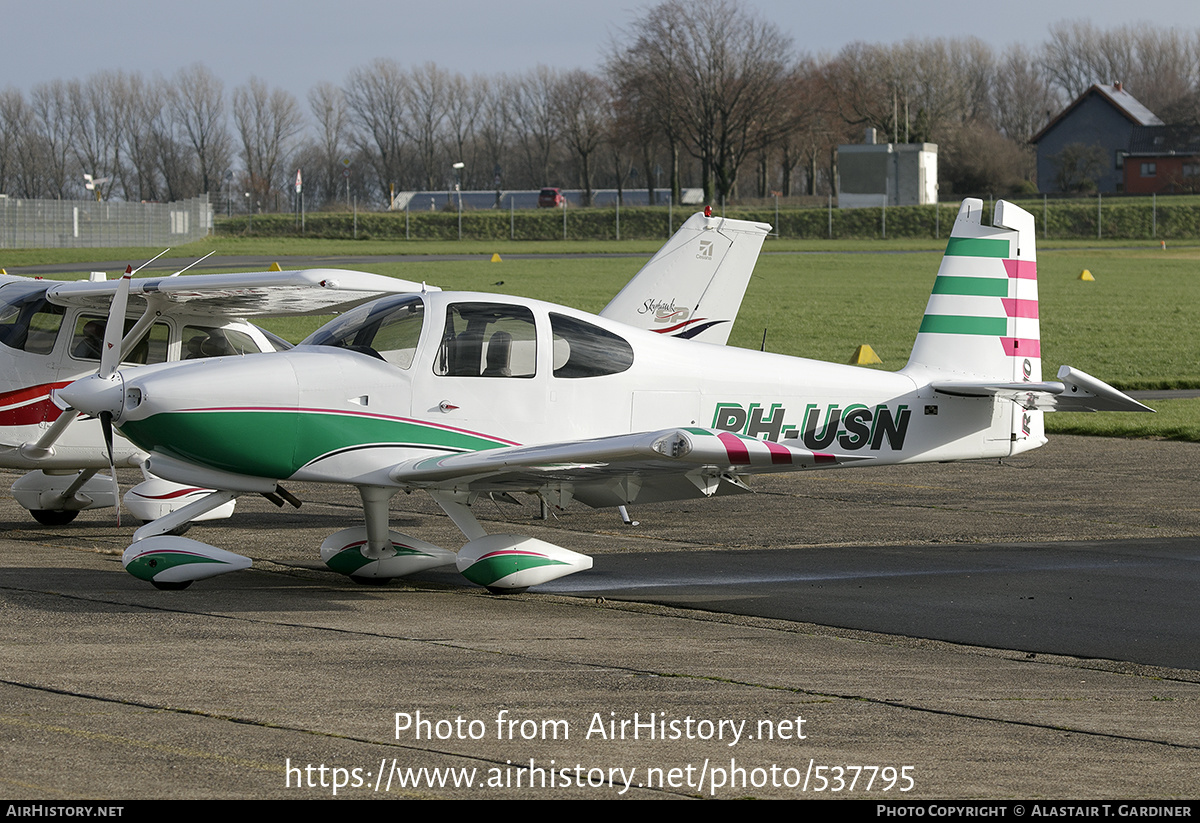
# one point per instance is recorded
(852, 427)
(706, 250)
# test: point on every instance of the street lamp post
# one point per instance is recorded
(458, 167)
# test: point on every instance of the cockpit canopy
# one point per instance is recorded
(478, 338)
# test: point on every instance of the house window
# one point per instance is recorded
(1120, 159)
(1149, 169)
(1191, 169)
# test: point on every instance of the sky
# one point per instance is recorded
(299, 43)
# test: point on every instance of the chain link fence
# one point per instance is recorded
(61, 224)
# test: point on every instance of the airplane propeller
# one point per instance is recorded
(104, 380)
(110, 360)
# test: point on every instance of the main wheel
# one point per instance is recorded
(171, 587)
(371, 581)
(53, 517)
(498, 590)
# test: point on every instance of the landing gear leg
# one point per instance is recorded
(180, 518)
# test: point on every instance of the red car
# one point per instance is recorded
(550, 198)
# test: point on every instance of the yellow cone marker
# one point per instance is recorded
(1086, 275)
(496, 258)
(864, 355)
(274, 267)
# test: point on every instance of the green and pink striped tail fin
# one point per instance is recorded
(982, 319)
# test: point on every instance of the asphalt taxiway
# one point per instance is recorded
(1024, 628)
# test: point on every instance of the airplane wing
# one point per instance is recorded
(1078, 391)
(249, 294)
(644, 467)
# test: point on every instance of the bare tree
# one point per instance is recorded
(725, 69)
(464, 103)
(1159, 66)
(645, 81)
(495, 125)
(375, 95)
(1023, 97)
(15, 124)
(197, 103)
(582, 110)
(97, 122)
(534, 126)
(425, 102)
(52, 124)
(816, 130)
(327, 151)
(267, 122)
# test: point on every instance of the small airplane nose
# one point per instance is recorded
(93, 395)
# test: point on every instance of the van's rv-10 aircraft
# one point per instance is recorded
(467, 394)
(53, 333)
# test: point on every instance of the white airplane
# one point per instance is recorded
(466, 394)
(52, 333)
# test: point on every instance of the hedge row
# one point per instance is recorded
(1121, 220)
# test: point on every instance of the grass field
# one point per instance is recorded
(1135, 326)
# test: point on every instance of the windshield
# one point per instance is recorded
(388, 329)
(28, 321)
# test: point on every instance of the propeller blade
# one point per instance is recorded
(110, 355)
(106, 426)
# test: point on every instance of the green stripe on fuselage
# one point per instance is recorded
(976, 247)
(276, 444)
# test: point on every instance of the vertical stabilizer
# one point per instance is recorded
(693, 287)
(981, 322)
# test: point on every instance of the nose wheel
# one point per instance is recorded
(52, 517)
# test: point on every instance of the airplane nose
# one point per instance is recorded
(93, 395)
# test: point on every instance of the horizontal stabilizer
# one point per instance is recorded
(1078, 391)
(1087, 393)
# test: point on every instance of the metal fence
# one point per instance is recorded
(45, 224)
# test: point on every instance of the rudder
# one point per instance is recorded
(981, 322)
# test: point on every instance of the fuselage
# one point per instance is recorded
(446, 372)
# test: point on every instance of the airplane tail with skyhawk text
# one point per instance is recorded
(693, 287)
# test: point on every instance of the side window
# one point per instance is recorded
(31, 324)
(487, 340)
(87, 341)
(584, 350)
(204, 341)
